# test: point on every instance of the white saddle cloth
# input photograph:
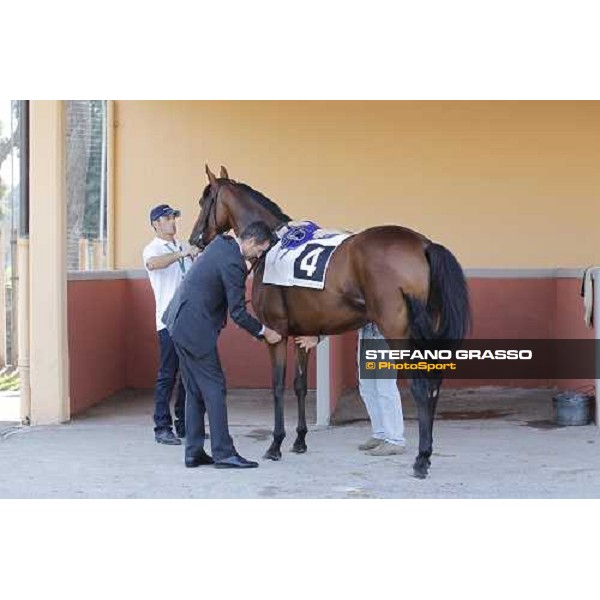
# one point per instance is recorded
(305, 266)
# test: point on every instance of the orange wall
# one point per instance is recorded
(503, 184)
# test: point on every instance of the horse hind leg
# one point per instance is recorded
(278, 354)
(301, 387)
(396, 321)
(425, 392)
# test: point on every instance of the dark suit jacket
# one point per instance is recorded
(216, 282)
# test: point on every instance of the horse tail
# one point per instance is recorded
(448, 301)
(447, 314)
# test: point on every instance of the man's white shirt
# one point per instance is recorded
(164, 282)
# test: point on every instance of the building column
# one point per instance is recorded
(596, 317)
(323, 383)
(24, 333)
(48, 265)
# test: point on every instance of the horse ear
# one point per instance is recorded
(211, 177)
(224, 174)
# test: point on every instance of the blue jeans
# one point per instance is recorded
(165, 383)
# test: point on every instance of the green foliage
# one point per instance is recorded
(9, 382)
(91, 215)
(3, 187)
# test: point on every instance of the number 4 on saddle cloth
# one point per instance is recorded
(302, 254)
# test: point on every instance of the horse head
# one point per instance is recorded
(214, 218)
(227, 204)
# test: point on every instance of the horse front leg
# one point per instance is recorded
(425, 393)
(301, 387)
(278, 354)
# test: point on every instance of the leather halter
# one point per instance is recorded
(212, 207)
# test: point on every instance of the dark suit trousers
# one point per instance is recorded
(206, 392)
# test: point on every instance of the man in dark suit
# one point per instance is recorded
(194, 318)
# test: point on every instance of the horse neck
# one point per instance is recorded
(242, 214)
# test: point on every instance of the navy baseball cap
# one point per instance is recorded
(163, 210)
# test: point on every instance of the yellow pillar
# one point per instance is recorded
(110, 189)
(48, 265)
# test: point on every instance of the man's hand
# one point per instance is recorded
(271, 336)
(306, 342)
(192, 252)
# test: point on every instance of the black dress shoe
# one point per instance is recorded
(165, 436)
(198, 461)
(235, 462)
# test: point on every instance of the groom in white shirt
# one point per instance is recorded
(167, 261)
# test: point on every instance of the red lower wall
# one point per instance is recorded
(96, 325)
(516, 308)
(245, 360)
(112, 337)
(141, 340)
(510, 309)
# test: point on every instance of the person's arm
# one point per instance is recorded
(234, 279)
(166, 260)
(163, 261)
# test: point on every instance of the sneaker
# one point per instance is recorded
(370, 444)
(165, 436)
(387, 449)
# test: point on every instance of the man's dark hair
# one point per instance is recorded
(259, 231)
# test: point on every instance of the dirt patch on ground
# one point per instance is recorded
(532, 406)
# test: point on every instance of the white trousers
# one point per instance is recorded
(382, 399)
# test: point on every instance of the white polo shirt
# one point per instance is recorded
(164, 282)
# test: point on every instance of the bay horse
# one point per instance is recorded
(410, 287)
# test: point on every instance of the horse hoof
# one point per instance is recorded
(299, 448)
(421, 467)
(420, 474)
(272, 455)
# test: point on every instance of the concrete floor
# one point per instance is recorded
(488, 443)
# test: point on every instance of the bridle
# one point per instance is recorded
(211, 208)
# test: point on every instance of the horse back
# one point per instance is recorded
(365, 269)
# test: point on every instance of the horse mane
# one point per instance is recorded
(257, 197)
(264, 202)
